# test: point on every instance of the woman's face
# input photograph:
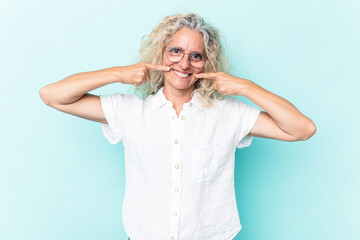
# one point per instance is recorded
(182, 74)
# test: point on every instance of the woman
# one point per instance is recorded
(180, 137)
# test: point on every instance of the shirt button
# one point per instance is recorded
(175, 214)
(176, 141)
(190, 104)
(182, 117)
(176, 190)
(177, 166)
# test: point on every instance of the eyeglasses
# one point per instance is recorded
(175, 54)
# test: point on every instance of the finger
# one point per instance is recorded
(206, 75)
(157, 67)
(215, 86)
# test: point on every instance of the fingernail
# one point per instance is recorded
(197, 75)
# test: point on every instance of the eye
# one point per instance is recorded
(197, 56)
(175, 50)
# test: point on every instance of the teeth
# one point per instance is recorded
(181, 74)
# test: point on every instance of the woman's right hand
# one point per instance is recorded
(71, 95)
(138, 74)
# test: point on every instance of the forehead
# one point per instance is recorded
(188, 39)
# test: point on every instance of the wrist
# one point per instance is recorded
(246, 87)
(117, 72)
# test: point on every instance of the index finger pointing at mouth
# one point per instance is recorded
(157, 67)
(206, 75)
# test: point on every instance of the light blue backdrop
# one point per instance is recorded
(61, 179)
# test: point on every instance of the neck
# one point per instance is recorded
(178, 97)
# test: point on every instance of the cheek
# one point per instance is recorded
(198, 70)
(165, 61)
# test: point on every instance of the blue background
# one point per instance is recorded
(61, 179)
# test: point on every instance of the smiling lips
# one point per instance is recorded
(182, 75)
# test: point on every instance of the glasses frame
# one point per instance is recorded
(168, 51)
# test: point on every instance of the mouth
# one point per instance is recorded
(182, 75)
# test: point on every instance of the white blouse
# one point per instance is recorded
(179, 170)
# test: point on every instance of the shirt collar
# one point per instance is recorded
(158, 100)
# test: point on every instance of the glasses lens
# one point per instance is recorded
(197, 64)
(197, 59)
(175, 54)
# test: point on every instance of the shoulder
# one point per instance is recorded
(232, 106)
(229, 102)
(121, 100)
(122, 97)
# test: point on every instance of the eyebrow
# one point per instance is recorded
(183, 49)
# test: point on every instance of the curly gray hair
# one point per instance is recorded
(153, 46)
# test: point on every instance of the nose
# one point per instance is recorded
(184, 62)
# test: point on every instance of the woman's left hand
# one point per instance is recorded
(226, 84)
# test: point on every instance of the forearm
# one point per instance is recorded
(75, 86)
(286, 115)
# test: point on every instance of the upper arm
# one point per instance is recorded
(87, 107)
(266, 127)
